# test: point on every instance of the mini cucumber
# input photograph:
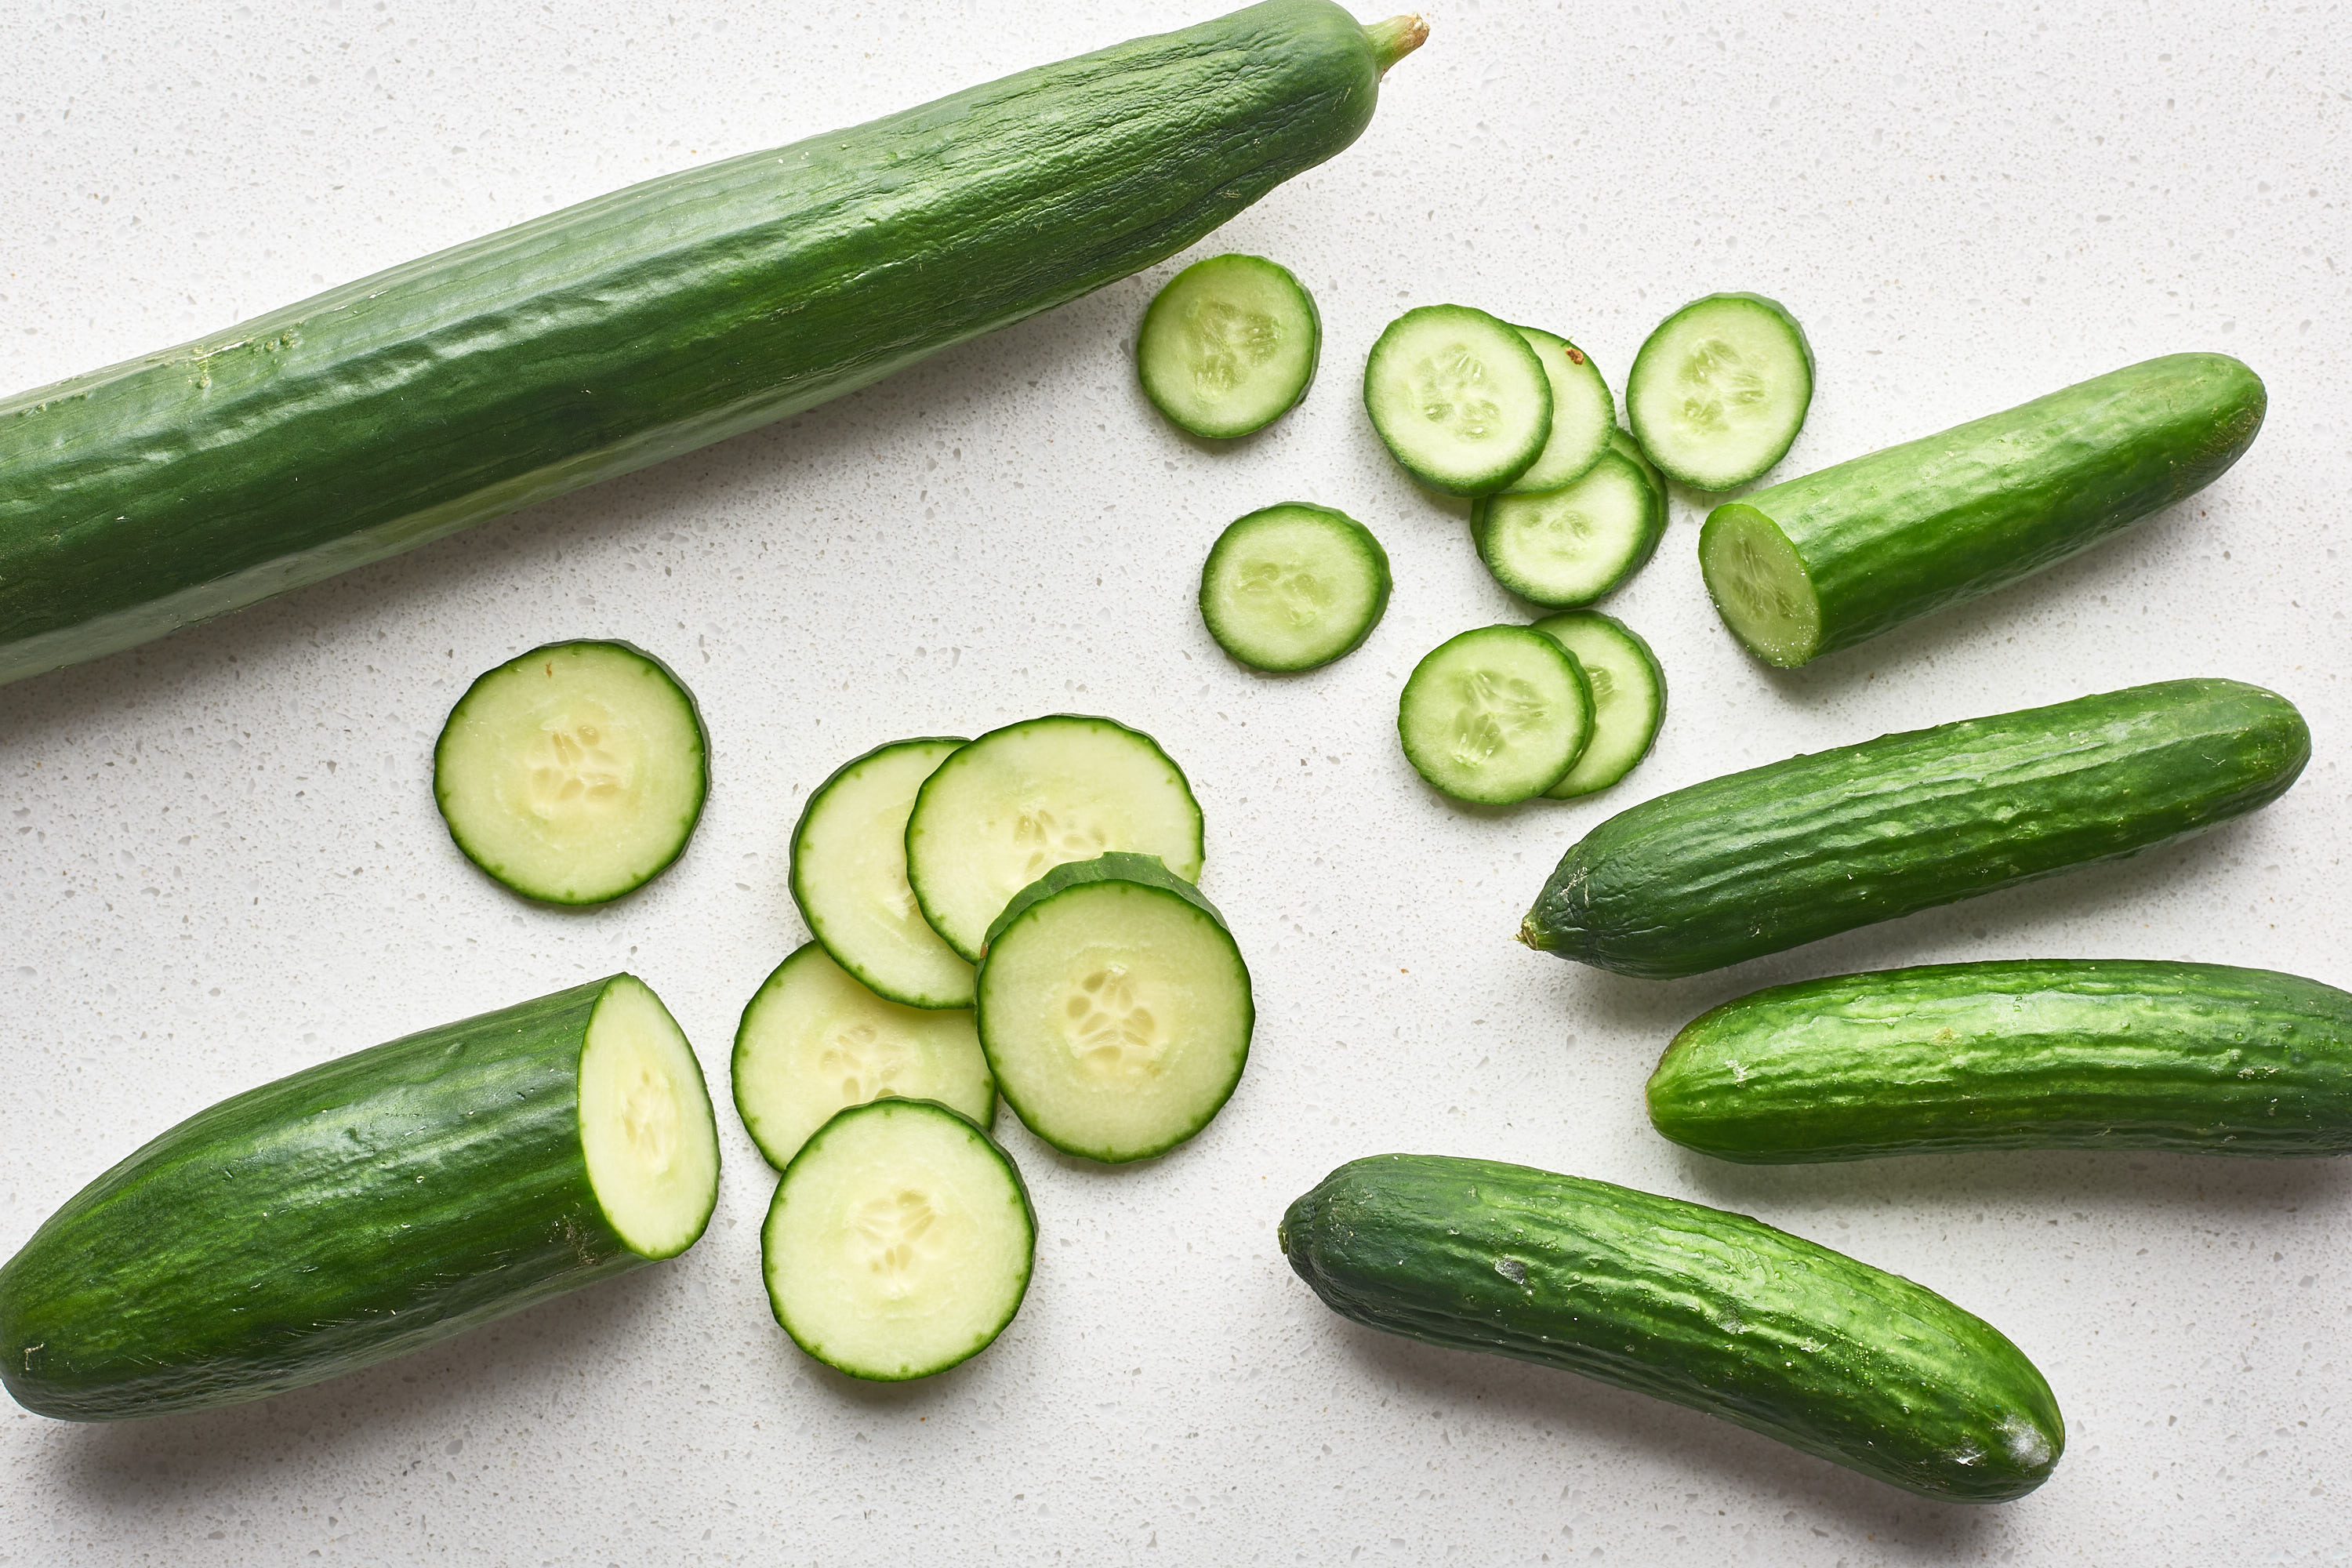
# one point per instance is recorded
(1294, 587)
(1495, 715)
(1629, 697)
(1229, 345)
(1460, 399)
(1583, 413)
(849, 876)
(1571, 546)
(1720, 390)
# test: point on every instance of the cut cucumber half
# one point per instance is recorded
(1629, 697)
(813, 1040)
(899, 1242)
(1495, 715)
(1720, 390)
(1571, 546)
(1294, 587)
(849, 878)
(573, 773)
(1459, 398)
(1115, 1008)
(1229, 345)
(1019, 801)
(647, 1132)
(1583, 413)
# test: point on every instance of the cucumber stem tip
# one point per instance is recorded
(1395, 38)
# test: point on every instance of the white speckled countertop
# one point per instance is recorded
(219, 859)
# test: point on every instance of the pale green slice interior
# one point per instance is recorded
(1583, 413)
(849, 878)
(647, 1132)
(813, 1040)
(1629, 699)
(1117, 1017)
(1228, 345)
(1719, 391)
(1760, 585)
(899, 1244)
(1570, 546)
(1495, 715)
(1459, 398)
(1293, 586)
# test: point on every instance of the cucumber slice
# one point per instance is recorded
(849, 878)
(899, 1242)
(1583, 414)
(1621, 441)
(575, 772)
(1115, 1008)
(1229, 345)
(1629, 697)
(1571, 546)
(1720, 390)
(1495, 715)
(813, 1040)
(1459, 398)
(1294, 587)
(1019, 801)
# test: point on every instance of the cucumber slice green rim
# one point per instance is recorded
(1720, 390)
(1621, 441)
(1760, 585)
(813, 1040)
(1010, 806)
(899, 1242)
(647, 1133)
(849, 876)
(1229, 345)
(1294, 587)
(1569, 547)
(1459, 398)
(574, 772)
(1629, 697)
(1495, 715)
(1583, 414)
(1115, 1008)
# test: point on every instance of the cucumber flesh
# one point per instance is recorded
(1459, 398)
(1570, 546)
(1115, 1008)
(1229, 345)
(849, 878)
(813, 1040)
(1007, 808)
(1583, 413)
(1495, 715)
(573, 773)
(646, 1133)
(1720, 390)
(1760, 585)
(1629, 697)
(899, 1242)
(1294, 587)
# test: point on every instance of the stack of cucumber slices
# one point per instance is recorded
(1010, 916)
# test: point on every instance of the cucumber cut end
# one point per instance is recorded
(1760, 585)
(646, 1130)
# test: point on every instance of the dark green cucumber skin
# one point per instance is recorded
(1906, 532)
(1710, 1309)
(353, 1212)
(2197, 1059)
(1117, 866)
(388, 411)
(1758, 861)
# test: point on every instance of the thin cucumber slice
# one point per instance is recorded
(1294, 587)
(647, 1132)
(1019, 801)
(1115, 1008)
(849, 878)
(1229, 345)
(575, 772)
(1459, 398)
(813, 1040)
(1629, 697)
(1720, 390)
(1495, 715)
(1571, 546)
(1583, 414)
(899, 1242)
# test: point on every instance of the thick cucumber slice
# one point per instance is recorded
(1460, 398)
(1583, 414)
(1720, 390)
(1571, 546)
(1294, 587)
(1229, 346)
(1495, 715)
(813, 1040)
(1020, 800)
(1629, 697)
(899, 1242)
(1115, 1008)
(573, 773)
(849, 878)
